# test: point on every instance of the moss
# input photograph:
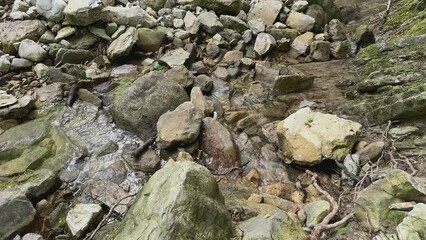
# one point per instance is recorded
(17, 180)
(370, 52)
(417, 29)
(404, 12)
(376, 64)
(125, 82)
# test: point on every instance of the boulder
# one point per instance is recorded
(137, 109)
(210, 23)
(219, 6)
(175, 58)
(267, 10)
(284, 84)
(150, 40)
(336, 30)
(129, 16)
(83, 217)
(320, 51)
(12, 32)
(302, 42)
(83, 12)
(307, 137)
(180, 201)
(372, 203)
(191, 22)
(32, 51)
(4, 65)
(53, 10)
(122, 46)
(318, 13)
(233, 23)
(413, 225)
(180, 126)
(315, 212)
(16, 212)
(300, 22)
(279, 225)
(264, 44)
(219, 145)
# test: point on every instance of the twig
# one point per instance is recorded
(325, 224)
(111, 210)
(143, 147)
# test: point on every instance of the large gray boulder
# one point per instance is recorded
(53, 10)
(180, 201)
(12, 32)
(83, 12)
(138, 108)
(308, 137)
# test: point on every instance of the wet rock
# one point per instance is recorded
(300, 22)
(83, 12)
(12, 32)
(302, 42)
(233, 23)
(180, 75)
(175, 57)
(87, 96)
(32, 51)
(137, 109)
(413, 225)
(284, 84)
(82, 217)
(181, 199)
(372, 203)
(320, 51)
(150, 40)
(17, 212)
(267, 10)
(219, 145)
(180, 126)
(279, 225)
(122, 46)
(53, 10)
(210, 23)
(264, 44)
(308, 137)
(316, 212)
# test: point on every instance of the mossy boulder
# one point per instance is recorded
(180, 201)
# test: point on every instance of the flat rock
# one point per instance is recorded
(284, 84)
(180, 75)
(210, 22)
(300, 22)
(6, 99)
(83, 12)
(129, 16)
(413, 225)
(175, 58)
(267, 10)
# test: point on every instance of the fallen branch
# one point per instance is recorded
(143, 147)
(325, 224)
(106, 217)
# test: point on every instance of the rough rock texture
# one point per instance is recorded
(300, 22)
(219, 145)
(32, 51)
(180, 201)
(83, 12)
(220, 6)
(138, 108)
(413, 225)
(267, 10)
(284, 84)
(53, 10)
(279, 225)
(308, 137)
(150, 40)
(134, 16)
(264, 44)
(122, 46)
(180, 126)
(11, 32)
(316, 212)
(175, 57)
(372, 203)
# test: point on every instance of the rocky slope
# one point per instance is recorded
(214, 119)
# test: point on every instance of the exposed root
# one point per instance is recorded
(325, 224)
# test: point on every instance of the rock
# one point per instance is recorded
(32, 51)
(126, 70)
(352, 163)
(180, 75)
(318, 13)
(19, 109)
(210, 23)
(129, 16)
(231, 7)
(53, 10)
(4, 65)
(372, 151)
(122, 46)
(284, 84)
(138, 109)
(320, 51)
(300, 22)
(233, 23)
(340, 49)
(308, 137)
(401, 132)
(65, 33)
(257, 25)
(82, 218)
(74, 56)
(150, 40)
(19, 63)
(212, 50)
(279, 225)
(302, 42)
(175, 58)
(181, 199)
(109, 193)
(6, 99)
(219, 145)
(87, 96)
(191, 22)
(204, 82)
(199, 101)
(99, 32)
(232, 57)
(12, 32)
(372, 203)
(180, 126)
(267, 10)
(413, 225)
(299, 6)
(363, 36)
(17, 212)
(32, 236)
(221, 73)
(316, 212)
(42, 181)
(264, 44)
(336, 30)
(83, 12)
(149, 162)
(156, 4)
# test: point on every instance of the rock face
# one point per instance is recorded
(181, 126)
(32, 51)
(372, 203)
(16, 212)
(267, 10)
(122, 46)
(219, 145)
(137, 109)
(11, 32)
(278, 226)
(180, 201)
(300, 22)
(308, 137)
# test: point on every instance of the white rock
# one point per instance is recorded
(81, 217)
(53, 10)
(267, 10)
(300, 22)
(210, 22)
(32, 51)
(264, 44)
(175, 57)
